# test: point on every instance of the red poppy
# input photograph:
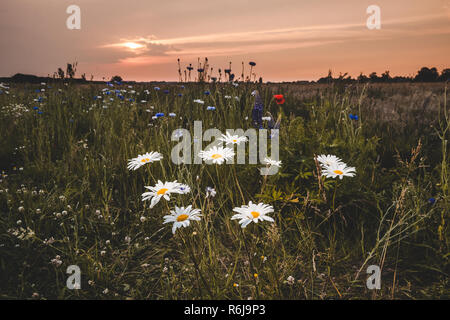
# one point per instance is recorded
(279, 99)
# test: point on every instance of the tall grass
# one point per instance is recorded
(65, 179)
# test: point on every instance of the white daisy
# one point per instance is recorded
(181, 217)
(199, 101)
(235, 139)
(217, 154)
(162, 190)
(271, 162)
(328, 160)
(252, 213)
(140, 160)
(338, 169)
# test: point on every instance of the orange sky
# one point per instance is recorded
(288, 39)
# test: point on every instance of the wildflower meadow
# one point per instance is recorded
(114, 181)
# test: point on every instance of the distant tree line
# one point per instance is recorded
(423, 75)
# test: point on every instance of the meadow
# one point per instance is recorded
(67, 196)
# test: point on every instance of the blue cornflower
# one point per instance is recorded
(35, 108)
(166, 91)
(180, 94)
(207, 92)
(131, 99)
(159, 115)
(121, 97)
(157, 88)
(257, 112)
(182, 87)
(37, 90)
(210, 108)
(432, 200)
(40, 99)
(353, 117)
(40, 112)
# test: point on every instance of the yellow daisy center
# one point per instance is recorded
(234, 140)
(182, 217)
(145, 160)
(216, 156)
(161, 191)
(338, 172)
(255, 214)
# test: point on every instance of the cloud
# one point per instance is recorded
(151, 50)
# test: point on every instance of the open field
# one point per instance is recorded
(68, 198)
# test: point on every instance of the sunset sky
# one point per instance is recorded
(288, 39)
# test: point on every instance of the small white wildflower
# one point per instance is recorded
(290, 280)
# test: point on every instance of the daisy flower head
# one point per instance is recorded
(181, 217)
(272, 162)
(328, 160)
(232, 139)
(162, 190)
(140, 160)
(216, 154)
(252, 213)
(338, 169)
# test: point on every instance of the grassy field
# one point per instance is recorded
(68, 198)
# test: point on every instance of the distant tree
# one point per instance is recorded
(116, 79)
(427, 75)
(374, 77)
(385, 77)
(445, 75)
(362, 78)
(60, 73)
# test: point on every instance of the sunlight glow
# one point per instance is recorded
(133, 45)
